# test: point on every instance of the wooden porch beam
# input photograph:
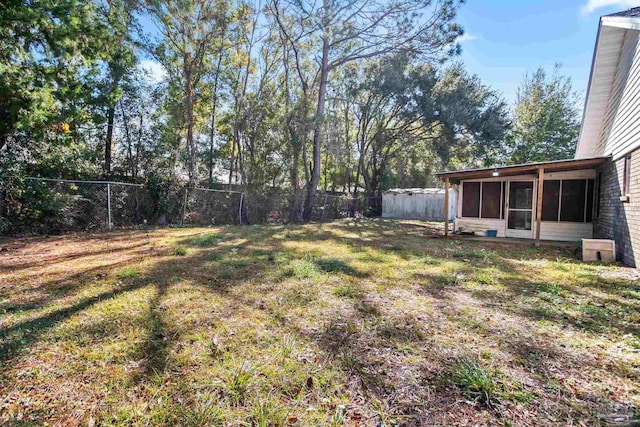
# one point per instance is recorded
(539, 204)
(446, 206)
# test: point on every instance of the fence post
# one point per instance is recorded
(240, 208)
(324, 207)
(109, 225)
(184, 206)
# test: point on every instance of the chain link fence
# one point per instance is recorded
(44, 205)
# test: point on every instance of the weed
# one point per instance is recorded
(238, 263)
(129, 273)
(213, 256)
(204, 241)
(348, 290)
(339, 417)
(475, 382)
(485, 279)
(332, 265)
(429, 260)
(205, 410)
(350, 362)
(443, 281)
(287, 346)
(238, 383)
(227, 273)
(268, 413)
(553, 289)
(179, 251)
(301, 269)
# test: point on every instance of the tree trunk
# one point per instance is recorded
(232, 160)
(212, 134)
(317, 131)
(108, 141)
(127, 135)
(190, 141)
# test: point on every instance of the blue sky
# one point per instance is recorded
(506, 39)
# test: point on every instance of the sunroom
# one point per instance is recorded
(543, 201)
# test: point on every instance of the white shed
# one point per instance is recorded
(417, 203)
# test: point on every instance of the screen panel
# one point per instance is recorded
(471, 199)
(573, 200)
(491, 194)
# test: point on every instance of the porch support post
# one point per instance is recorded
(446, 207)
(539, 204)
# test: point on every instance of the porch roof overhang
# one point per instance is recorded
(524, 169)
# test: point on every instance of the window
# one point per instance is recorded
(626, 180)
(568, 200)
(491, 198)
(471, 199)
(598, 193)
(482, 200)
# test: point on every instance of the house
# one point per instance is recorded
(594, 195)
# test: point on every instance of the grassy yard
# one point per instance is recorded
(375, 323)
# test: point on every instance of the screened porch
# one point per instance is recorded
(541, 201)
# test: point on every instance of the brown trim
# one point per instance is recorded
(539, 204)
(531, 168)
(446, 207)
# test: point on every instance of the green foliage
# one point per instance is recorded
(547, 119)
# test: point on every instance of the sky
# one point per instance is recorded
(506, 39)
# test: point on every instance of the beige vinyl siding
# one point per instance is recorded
(481, 224)
(620, 131)
(560, 231)
(566, 231)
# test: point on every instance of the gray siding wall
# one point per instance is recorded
(617, 220)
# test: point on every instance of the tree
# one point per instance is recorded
(547, 119)
(190, 30)
(472, 120)
(120, 59)
(419, 118)
(49, 57)
(344, 31)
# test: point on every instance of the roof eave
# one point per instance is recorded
(524, 169)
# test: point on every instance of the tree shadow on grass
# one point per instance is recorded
(373, 348)
(337, 265)
(20, 335)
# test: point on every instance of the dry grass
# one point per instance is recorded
(373, 323)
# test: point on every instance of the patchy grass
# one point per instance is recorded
(179, 251)
(369, 323)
